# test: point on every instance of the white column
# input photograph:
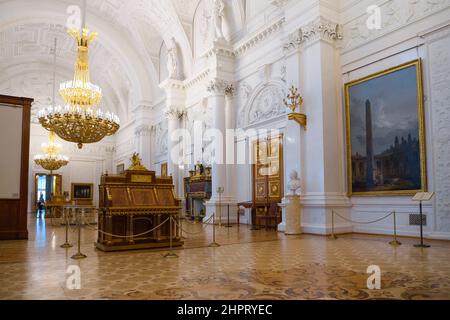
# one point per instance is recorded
(173, 161)
(221, 118)
(230, 155)
(142, 132)
(175, 105)
(219, 176)
(143, 144)
(313, 59)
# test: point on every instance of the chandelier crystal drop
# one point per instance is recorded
(51, 159)
(81, 121)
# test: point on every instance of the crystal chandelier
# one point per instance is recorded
(51, 159)
(81, 121)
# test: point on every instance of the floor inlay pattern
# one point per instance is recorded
(248, 265)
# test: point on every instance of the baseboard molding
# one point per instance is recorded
(402, 233)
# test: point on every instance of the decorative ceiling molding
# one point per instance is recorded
(243, 46)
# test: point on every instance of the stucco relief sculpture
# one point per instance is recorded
(172, 59)
(268, 104)
(218, 15)
(161, 139)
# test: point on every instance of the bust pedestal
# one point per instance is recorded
(292, 213)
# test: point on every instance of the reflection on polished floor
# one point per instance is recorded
(248, 265)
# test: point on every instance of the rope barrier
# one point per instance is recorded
(129, 236)
(367, 222)
(196, 223)
(195, 233)
(395, 242)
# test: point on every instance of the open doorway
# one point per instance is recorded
(46, 187)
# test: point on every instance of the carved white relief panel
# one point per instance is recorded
(439, 63)
(394, 14)
(203, 28)
(244, 91)
(161, 138)
(267, 104)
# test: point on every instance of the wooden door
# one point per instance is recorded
(14, 164)
(268, 170)
(267, 181)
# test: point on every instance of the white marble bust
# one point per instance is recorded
(294, 184)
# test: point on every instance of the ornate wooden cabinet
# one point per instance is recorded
(197, 189)
(131, 205)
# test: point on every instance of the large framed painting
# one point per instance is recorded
(386, 132)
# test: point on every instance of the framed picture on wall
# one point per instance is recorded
(120, 169)
(386, 132)
(164, 172)
(82, 191)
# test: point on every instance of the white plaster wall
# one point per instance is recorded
(409, 32)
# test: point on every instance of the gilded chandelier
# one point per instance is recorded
(81, 121)
(51, 159)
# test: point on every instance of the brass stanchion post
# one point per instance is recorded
(181, 229)
(228, 218)
(333, 235)
(79, 255)
(214, 244)
(220, 190)
(170, 254)
(395, 242)
(66, 244)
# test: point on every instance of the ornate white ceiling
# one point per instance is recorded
(124, 59)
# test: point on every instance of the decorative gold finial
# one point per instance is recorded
(296, 100)
(136, 164)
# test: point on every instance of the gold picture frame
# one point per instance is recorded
(378, 165)
(120, 169)
(82, 191)
(164, 170)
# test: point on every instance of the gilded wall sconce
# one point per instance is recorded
(295, 101)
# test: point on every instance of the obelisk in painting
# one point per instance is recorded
(369, 146)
